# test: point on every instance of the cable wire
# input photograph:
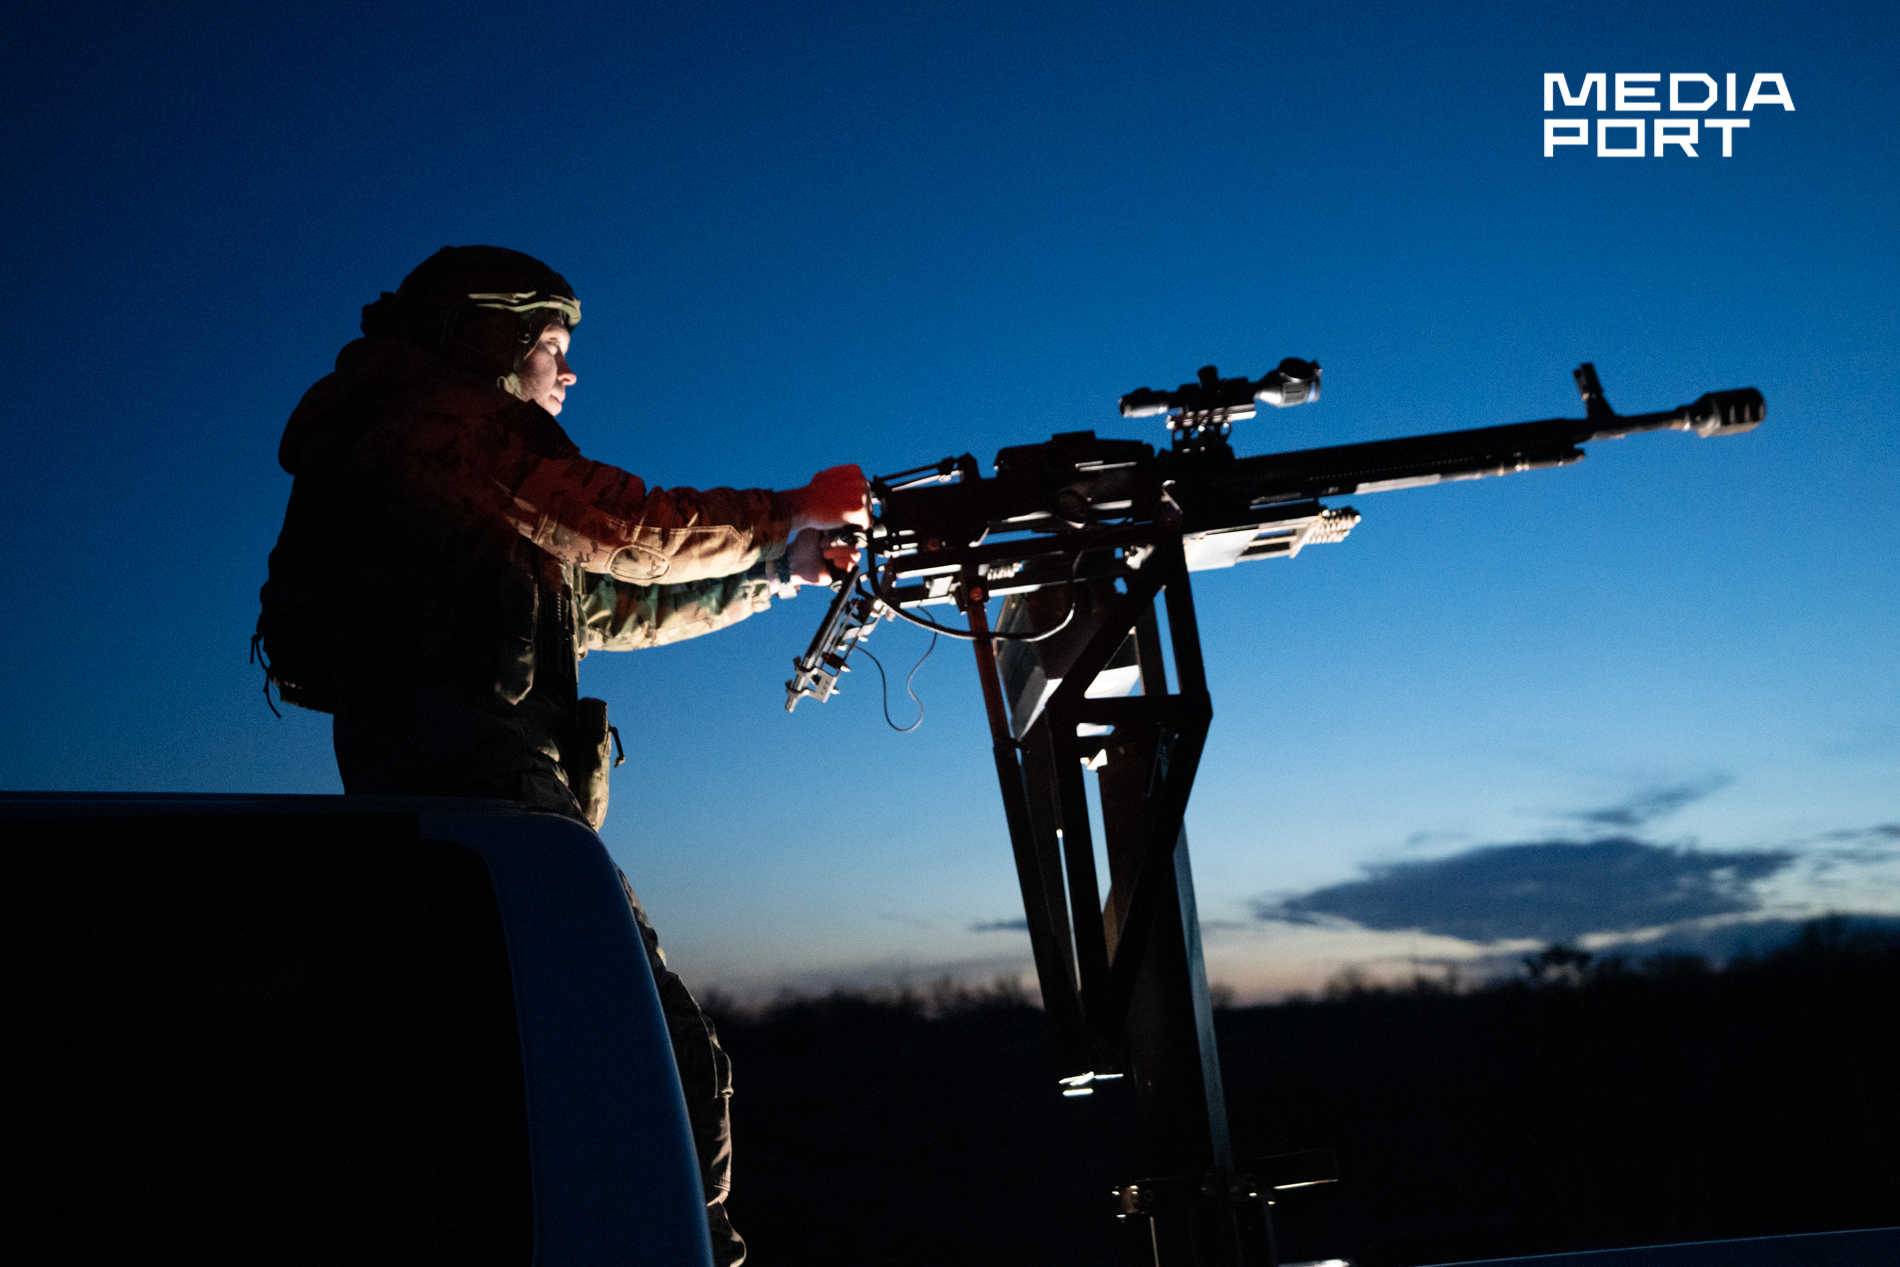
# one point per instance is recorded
(884, 685)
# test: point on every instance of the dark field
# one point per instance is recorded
(1623, 1105)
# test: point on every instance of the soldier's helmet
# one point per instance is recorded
(457, 280)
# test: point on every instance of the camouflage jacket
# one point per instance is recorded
(434, 518)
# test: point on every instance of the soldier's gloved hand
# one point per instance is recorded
(808, 555)
(836, 496)
(806, 559)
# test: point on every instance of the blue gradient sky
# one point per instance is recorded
(810, 234)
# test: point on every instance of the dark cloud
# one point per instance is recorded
(1549, 890)
(1000, 926)
(1225, 925)
(1879, 843)
(1652, 803)
(1422, 839)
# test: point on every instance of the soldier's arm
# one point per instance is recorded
(606, 520)
(618, 616)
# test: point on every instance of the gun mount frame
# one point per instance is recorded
(1083, 538)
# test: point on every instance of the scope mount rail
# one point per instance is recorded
(1082, 537)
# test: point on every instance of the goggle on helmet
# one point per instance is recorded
(522, 303)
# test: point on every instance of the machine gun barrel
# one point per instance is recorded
(1415, 461)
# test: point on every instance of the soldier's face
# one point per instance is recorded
(545, 376)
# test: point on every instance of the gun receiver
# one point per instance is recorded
(1079, 507)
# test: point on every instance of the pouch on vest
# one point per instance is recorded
(590, 763)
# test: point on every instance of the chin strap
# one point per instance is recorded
(259, 657)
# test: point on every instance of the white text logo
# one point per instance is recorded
(1690, 93)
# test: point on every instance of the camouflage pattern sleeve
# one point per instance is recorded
(617, 616)
(515, 463)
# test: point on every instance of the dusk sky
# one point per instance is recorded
(1650, 697)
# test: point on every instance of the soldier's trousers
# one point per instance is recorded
(437, 739)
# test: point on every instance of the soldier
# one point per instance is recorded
(448, 557)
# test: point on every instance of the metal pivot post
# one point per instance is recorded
(1036, 868)
(1123, 981)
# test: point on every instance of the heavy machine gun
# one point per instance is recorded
(1081, 536)
(1028, 527)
